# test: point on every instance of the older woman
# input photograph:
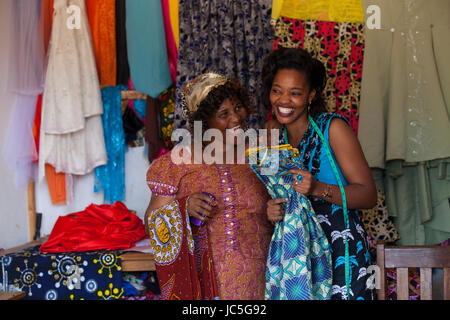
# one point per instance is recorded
(225, 256)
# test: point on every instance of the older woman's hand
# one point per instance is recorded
(275, 210)
(201, 206)
(304, 182)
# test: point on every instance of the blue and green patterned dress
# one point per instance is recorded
(314, 158)
(299, 263)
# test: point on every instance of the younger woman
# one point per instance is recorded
(293, 84)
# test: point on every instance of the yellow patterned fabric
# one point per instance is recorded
(321, 10)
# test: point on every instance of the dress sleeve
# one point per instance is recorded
(163, 176)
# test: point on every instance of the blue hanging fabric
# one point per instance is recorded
(299, 265)
(111, 177)
(146, 47)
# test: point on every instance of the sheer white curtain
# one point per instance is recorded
(26, 79)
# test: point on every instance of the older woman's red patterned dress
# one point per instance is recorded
(239, 234)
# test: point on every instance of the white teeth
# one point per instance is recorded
(285, 111)
(234, 130)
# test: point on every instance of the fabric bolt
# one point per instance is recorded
(239, 233)
(331, 217)
(340, 47)
(122, 68)
(72, 276)
(299, 263)
(110, 178)
(320, 10)
(102, 20)
(228, 37)
(146, 47)
(182, 253)
(97, 227)
(71, 138)
(405, 92)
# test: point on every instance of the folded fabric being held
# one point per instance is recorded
(98, 227)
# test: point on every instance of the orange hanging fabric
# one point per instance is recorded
(56, 183)
(102, 20)
(47, 20)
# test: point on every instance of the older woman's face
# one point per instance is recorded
(229, 118)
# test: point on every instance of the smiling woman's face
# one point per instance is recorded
(290, 95)
(231, 115)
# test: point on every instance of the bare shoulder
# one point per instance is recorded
(340, 133)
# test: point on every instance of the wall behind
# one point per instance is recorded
(14, 228)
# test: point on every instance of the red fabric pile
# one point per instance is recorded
(98, 227)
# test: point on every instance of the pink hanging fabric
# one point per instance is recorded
(172, 53)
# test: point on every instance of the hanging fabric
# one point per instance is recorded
(26, 79)
(152, 132)
(340, 47)
(167, 100)
(102, 20)
(26, 55)
(170, 40)
(123, 68)
(59, 184)
(111, 177)
(146, 45)
(228, 37)
(404, 115)
(71, 137)
(319, 10)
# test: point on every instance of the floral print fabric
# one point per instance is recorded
(340, 47)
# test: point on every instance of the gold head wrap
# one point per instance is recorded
(198, 88)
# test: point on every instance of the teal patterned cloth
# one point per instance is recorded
(299, 265)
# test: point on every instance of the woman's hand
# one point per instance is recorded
(200, 206)
(275, 210)
(304, 182)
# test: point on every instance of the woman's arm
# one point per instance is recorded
(155, 203)
(361, 191)
(199, 206)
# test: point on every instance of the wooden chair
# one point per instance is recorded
(403, 257)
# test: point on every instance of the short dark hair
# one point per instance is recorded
(231, 89)
(300, 60)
